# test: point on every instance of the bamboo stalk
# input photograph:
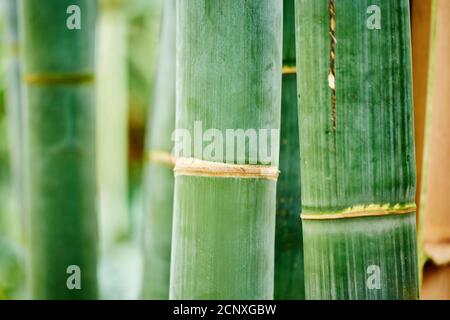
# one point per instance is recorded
(159, 180)
(60, 146)
(112, 151)
(15, 115)
(357, 144)
(12, 212)
(436, 220)
(289, 282)
(112, 115)
(11, 262)
(228, 77)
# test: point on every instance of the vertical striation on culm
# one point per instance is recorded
(229, 59)
(357, 161)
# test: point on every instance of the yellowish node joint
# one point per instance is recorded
(289, 70)
(202, 168)
(161, 157)
(58, 78)
(372, 210)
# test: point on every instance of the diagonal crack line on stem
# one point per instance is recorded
(331, 75)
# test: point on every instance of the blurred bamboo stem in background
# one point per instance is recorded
(435, 198)
(357, 149)
(112, 122)
(12, 216)
(289, 282)
(116, 263)
(15, 121)
(58, 64)
(158, 179)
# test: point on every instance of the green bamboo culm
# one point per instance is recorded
(357, 149)
(289, 282)
(159, 180)
(15, 109)
(229, 59)
(58, 57)
(12, 218)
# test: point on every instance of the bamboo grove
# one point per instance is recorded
(278, 153)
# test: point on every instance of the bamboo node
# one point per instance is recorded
(373, 210)
(202, 168)
(289, 70)
(58, 78)
(161, 157)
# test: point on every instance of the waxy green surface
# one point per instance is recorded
(229, 61)
(367, 159)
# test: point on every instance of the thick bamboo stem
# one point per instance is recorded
(229, 59)
(357, 147)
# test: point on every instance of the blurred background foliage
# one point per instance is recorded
(120, 258)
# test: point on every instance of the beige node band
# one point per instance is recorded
(372, 210)
(196, 167)
(289, 70)
(161, 157)
(58, 78)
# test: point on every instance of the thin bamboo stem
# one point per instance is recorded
(159, 180)
(60, 147)
(421, 37)
(15, 114)
(112, 121)
(289, 282)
